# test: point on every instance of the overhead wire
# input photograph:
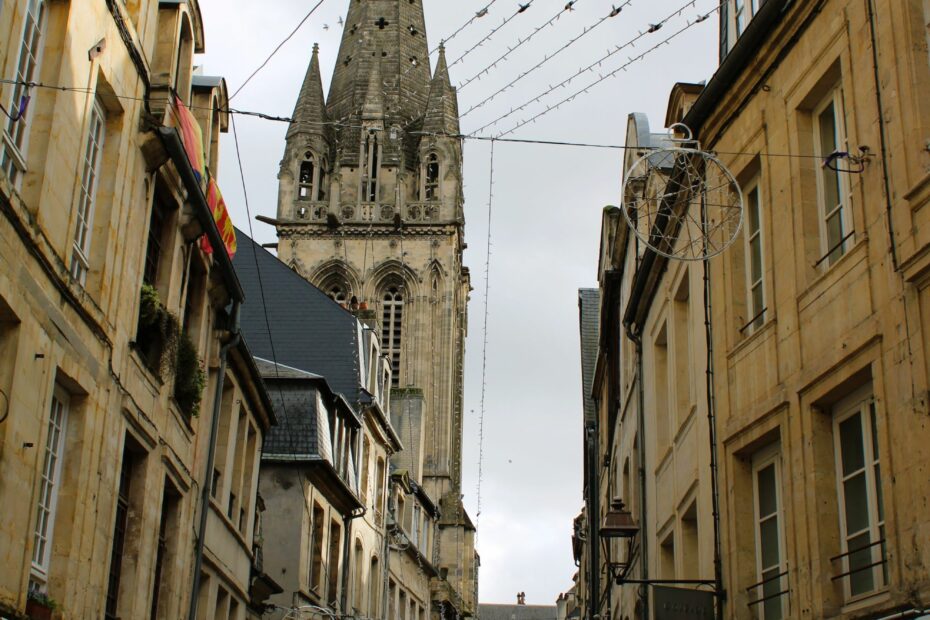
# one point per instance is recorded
(484, 353)
(521, 8)
(538, 65)
(611, 74)
(261, 286)
(651, 29)
(277, 49)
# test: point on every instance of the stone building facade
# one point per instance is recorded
(121, 370)
(818, 319)
(370, 210)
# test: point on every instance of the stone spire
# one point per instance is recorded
(373, 109)
(394, 32)
(310, 112)
(442, 110)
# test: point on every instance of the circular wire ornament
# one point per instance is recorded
(683, 203)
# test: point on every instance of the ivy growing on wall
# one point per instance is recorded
(168, 349)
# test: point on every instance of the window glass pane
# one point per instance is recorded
(857, 505)
(768, 533)
(879, 499)
(767, 492)
(772, 607)
(853, 458)
(757, 302)
(863, 580)
(756, 247)
(752, 200)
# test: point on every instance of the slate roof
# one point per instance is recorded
(309, 331)
(589, 311)
(518, 612)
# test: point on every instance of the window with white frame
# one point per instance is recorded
(832, 186)
(859, 494)
(741, 13)
(755, 261)
(90, 180)
(48, 488)
(12, 153)
(769, 594)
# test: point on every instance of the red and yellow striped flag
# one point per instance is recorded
(221, 218)
(192, 137)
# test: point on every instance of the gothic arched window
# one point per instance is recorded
(305, 181)
(431, 178)
(370, 164)
(392, 316)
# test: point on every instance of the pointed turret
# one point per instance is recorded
(310, 112)
(442, 111)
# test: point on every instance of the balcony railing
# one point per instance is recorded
(367, 212)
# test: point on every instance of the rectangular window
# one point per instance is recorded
(833, 193)
(768, 596)
(859, 494)
(333, 562)
(48, 487)
(661, 391)
(168, 523)
(90, 179)
(316, 549)
(12, 154)
(120, 528)
(667, 557)
(755, 261)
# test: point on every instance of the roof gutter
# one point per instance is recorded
(172, 141)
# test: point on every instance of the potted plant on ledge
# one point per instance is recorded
(39, 605)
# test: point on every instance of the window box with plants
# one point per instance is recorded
(166, 349)
(40, 606)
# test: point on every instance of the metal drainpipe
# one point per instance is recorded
(594, 588)
(637, 340)
(883, 137)
(346, 547)
(211, 458)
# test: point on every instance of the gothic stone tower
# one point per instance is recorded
(370, 209)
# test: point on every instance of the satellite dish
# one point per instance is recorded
(682, 202)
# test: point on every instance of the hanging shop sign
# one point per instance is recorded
(682, 604)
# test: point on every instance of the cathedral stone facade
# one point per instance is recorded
(370, 210)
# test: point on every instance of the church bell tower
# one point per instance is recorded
(370, 210)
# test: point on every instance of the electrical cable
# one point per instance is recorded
(261, 286)
(652, 28)
(86, 91)
(277, 49)
(546, 58)
(613, 73)
(521, 8)
(484, 353)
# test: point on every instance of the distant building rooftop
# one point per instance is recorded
(518, 612)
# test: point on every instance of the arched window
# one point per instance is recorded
(391, 325)
(305, 181)
(370, 164)
(358, 586)
(184, 69)
(431, 182)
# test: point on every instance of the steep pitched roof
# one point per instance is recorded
(308, 331)
(589, 302)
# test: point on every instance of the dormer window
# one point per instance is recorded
(431, 179)
(741, 13)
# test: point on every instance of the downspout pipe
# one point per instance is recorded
(235, 338)
(637, 340)
(893, 246)
(594, 583)
(346, 549)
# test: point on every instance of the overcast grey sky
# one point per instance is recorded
(545, 231)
